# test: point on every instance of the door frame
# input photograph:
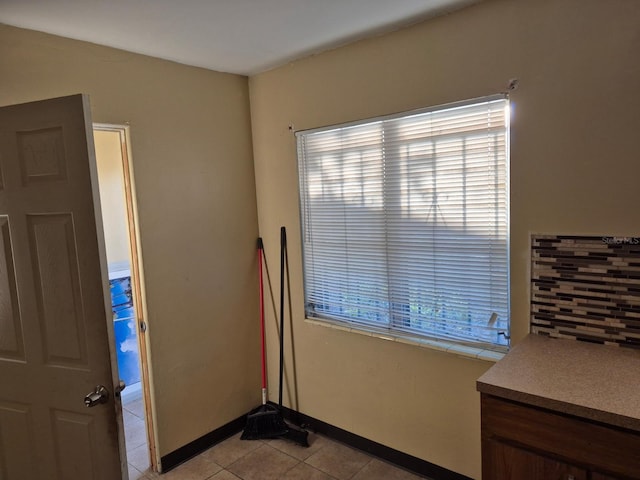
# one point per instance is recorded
(137, 283)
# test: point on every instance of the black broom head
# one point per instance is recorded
(264, 422)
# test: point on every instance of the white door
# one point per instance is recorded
(54, 340)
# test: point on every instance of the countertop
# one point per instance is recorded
(597, 382)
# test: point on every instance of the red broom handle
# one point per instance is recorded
(262, 333)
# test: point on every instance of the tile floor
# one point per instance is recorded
(235, 459)
(135, 434)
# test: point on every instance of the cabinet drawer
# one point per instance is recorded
(505, 462)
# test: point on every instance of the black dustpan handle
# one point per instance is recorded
(283, 248)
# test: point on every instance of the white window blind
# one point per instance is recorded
(405, 222)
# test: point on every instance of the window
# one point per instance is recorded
(405, 222)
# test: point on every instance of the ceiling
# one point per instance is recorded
(237, 36)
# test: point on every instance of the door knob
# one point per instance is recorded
(99, 395)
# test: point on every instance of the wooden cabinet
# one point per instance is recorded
(520, 442)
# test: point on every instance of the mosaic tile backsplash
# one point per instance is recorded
(586, 288)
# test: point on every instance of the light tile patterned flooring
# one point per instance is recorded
(136, 438)
(235, 459)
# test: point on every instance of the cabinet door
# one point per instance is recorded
(600, 476)
(504, 462)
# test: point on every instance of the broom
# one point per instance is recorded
(266, 420)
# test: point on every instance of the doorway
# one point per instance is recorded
(129, 324)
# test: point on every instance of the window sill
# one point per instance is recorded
(486, 354)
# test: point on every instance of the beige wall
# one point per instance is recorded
(574, 169)
(112, 199)
(191, 152)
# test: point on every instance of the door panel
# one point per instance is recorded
(11, 342)
(16, 436)
(53, 251)
(54, 299)
(74, 436)
(42, 155)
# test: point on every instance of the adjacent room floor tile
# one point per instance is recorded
(139, 457)
(135, 431)
(135, 474)
(135, 407)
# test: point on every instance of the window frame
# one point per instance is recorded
(503, 329)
